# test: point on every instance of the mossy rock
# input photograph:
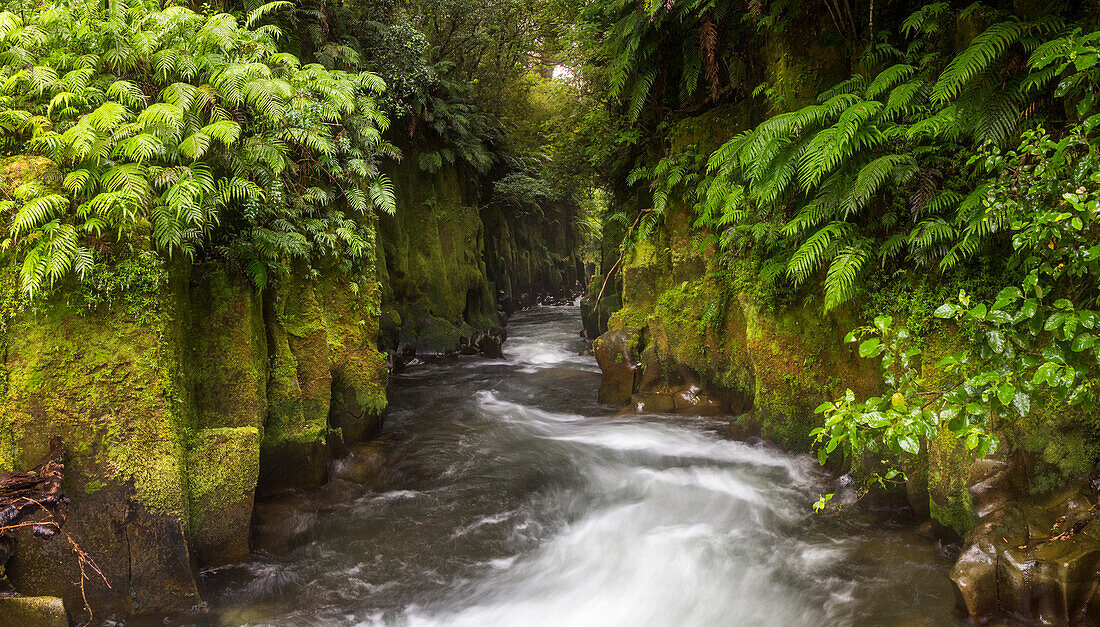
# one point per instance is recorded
(222, 470)
(33, 612)
(229, 346)
(950, 504)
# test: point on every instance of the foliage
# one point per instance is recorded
(869, 173)
(1037, 338)
(194, 129)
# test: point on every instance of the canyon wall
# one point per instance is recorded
(182, 393)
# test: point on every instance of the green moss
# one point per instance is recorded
(222, 468)
(948, 483)
(229, 345)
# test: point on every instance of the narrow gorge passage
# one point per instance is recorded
(517, 500)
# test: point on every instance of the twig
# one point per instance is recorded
(596, 305)
(83, 560)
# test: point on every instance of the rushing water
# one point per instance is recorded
(513, 499)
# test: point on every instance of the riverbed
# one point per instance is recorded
(509, 497)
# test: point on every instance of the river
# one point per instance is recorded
(511, 498)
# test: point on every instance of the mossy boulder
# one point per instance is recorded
(33, 612)
(222, 469)
(617, 354)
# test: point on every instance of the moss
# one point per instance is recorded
(229, 346)
(38, 611)
(433, 253)
(949, 463)
(222, 467)
(106, 384)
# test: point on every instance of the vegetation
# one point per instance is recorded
(953, 154)
(192, 131)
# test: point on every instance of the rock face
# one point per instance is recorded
(179, 390)
(450, 266)
(1036, 561)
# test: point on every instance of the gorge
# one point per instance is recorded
(448, 312)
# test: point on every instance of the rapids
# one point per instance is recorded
(513, 499)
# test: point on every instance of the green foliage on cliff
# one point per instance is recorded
(1036, 343)
(192, 130)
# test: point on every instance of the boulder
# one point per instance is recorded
(1035, 561)
(617, 355)
(33, 611)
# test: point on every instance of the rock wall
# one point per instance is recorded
(450, 264)
(180, 393)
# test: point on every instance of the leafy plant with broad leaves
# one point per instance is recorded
(1036, 338)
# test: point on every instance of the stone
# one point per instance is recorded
(653, 402)
(692, 400)
(949, 499)
(489, 345)
(744, 427)
(364, 464)
(223, 469)
(1033, 561)
(33, 612)
(282, 525)
(991, 492)
(616, 354)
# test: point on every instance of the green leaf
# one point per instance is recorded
(1083, 342)
(972, 440)
(1005, 393)
(909, 444)
(870, 348)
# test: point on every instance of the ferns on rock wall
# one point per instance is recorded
(884, 167)
(192, 128)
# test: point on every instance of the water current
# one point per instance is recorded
(509, 497)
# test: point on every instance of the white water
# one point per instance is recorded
(526, 504)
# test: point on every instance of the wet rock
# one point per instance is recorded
(33, 611)
(991, 491)
(693, 400)
(466, 347)
(143, 553)
(617, 355)
(293, 465)
(364, 465)
(653, 402)
(490, 343)
(281, 525)
(975, 571)
(744, 427)
(1038, 562)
